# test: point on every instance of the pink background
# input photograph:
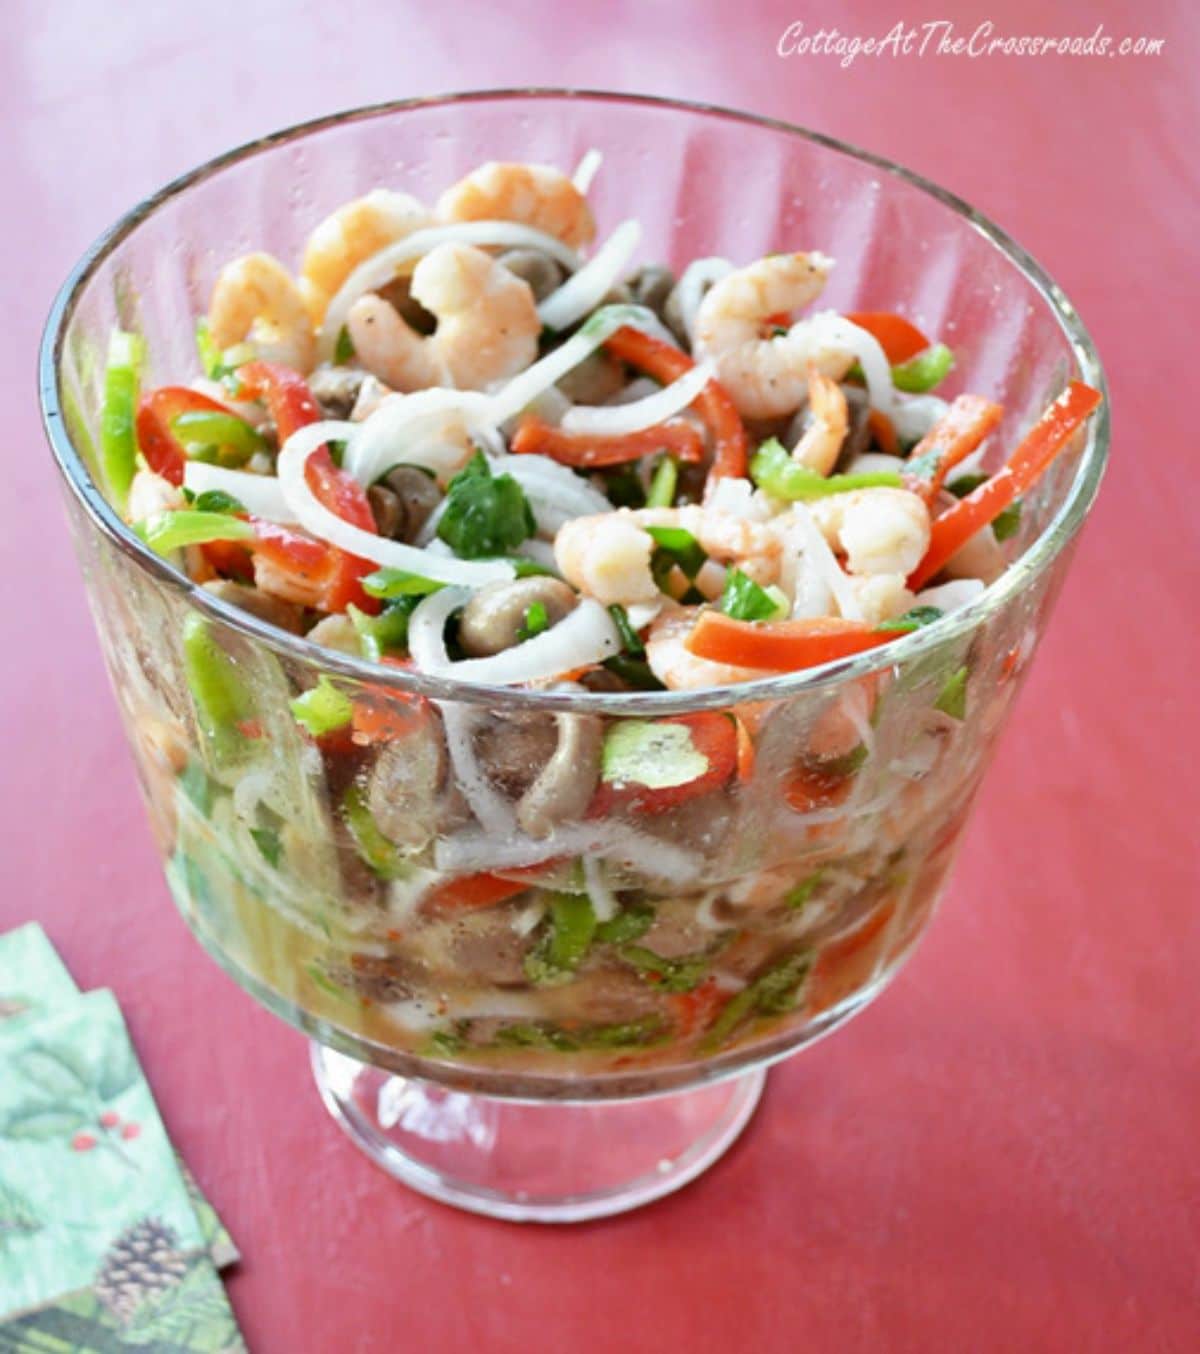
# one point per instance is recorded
(1003, 1153)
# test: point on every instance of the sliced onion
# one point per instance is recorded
(584, 636)
(950, 596)
(555, 493)
(585, 290)
(260, 495)
(696, 279)
(427, 627)
(814, 549)
(382, 268)
(654, 857)
(614, 420)
(315, 517)
(738, 498)
(829, 330)
(642, 613)
(914, 417)
(586, 170)
(418, 429)
(540, 552)
(603, 899)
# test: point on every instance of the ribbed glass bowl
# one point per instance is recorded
(807, 903)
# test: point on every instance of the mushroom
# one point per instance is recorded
(539, 270)
(403, 501)
(493, 618)
(651, 285)
(404, 787)
(285, 615)
(336, 389)
(565, 785)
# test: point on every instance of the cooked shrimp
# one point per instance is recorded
(679, 670)
(487, 329)
(607, 555)
(819, 447)
(535, 195)
(255, 298)
(351, 235)
(766, 376)
(150, 493)
(881, 531)
(880, 597)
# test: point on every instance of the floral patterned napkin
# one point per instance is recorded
(102, 1245)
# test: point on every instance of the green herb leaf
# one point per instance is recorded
(485, 514)
(322, 709)
(913, 619)
(1007, 522)
(268, 842)
(631, 641)
(343, 350)
(744, 600)
(399, 583)
(217, 500)
(952, 699)
(923, 372)
(962, 485)
(629, 924)
(536, 620)
(801, 895)
(663, 483)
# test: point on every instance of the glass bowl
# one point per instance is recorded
(561, 1027)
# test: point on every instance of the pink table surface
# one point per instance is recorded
(1003, 1153)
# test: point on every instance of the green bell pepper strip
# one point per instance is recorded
(568, 938)
(664, 483)
(232, 440)
(952, 699)
(118, 440)
(174, 528)
(923, 372)
(775, 472)
(322, 709)
(377, 850)
(772, 993)
(222, 701)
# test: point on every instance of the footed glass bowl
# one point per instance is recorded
(463, 1048)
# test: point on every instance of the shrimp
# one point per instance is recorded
(881, 597)
(351, 235)
(255, 298)
(607, 555)
(680, 670)
(765, 376)
(819, 447)
(487, 330)
(535, 195)
(881, 531)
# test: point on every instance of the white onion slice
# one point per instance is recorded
(586, 170)
(950, 596)
(585, 636)
(425, 428)
(540, 552)
(913, 418)
(315, 517)
(427, 627)
(382, 268)
(612, 841)
(603, 899)
(614, 420)
(642, 613)
(814, 549)
(555, 493)
(831, 330)
(696, 279)
(260, 495)
(585, 290)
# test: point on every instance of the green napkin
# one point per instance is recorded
(101, 1247)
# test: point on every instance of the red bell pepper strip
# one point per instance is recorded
(952, 438)
(780, 646)
(291, 406)
(666, 364)
(899, 338)
(486, 889)
(713, 736)
(162, 450)
(1045, 440)
(883, 430)
(586, 450)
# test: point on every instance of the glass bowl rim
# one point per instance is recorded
(1022, 573)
